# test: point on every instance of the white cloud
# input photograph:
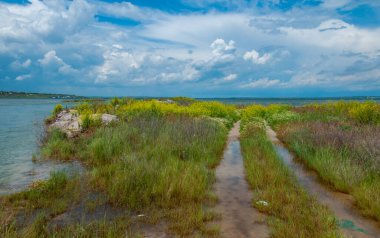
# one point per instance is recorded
(50, 20)
(117, 63)
(262, 83)
(124, 67)
(51, 61)
(222, 51)
(127, 10)
(336, 35)
(23, 77)
(220, 47)
(21, 65)
(255, 57)
(230, 77)
(27, 63)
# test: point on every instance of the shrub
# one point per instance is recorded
(90, 121)
(84, 108)
(115, 101)
(57, 109)
(273, 114)
(366, 113)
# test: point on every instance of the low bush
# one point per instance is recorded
(57, 109)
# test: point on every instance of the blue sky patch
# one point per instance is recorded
(117, 21)
(362, 15)
(16, 1)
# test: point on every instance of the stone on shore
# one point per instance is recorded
(67, 122)
(70, 123)
(108, 118)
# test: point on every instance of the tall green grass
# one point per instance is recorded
(292, 212)
(158, 164)
(339, 140)
(345, 157)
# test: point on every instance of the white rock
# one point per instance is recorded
(70, 123)
(67, 123)
(108, 118)
(262, 203)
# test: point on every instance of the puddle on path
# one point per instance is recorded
(351, 222)
(239, 218)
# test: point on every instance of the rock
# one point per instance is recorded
(67, 123)
(65, 116)
(262, 203)
(70, 123)
(108, 118)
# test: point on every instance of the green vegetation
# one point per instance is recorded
(292, 211)
(158, 160)
(340, 140)
(273, 114)
(57, 109)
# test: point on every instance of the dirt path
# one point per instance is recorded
(239, 218)
(351, 222)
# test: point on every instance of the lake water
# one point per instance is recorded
(21, 127)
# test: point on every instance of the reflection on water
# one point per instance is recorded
(21, 126)
(239, 218)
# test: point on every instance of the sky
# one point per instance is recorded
(196, 48)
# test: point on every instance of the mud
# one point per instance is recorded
(239, 218)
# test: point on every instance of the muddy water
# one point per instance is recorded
(239, 218)
(351, 222)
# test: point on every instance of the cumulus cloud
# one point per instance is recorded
(49, 20)
(124, 67)
(255, 57)
(51, 61)
(223, 51)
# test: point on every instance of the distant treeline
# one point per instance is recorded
(12, 94)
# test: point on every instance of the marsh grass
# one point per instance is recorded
(346, 156)
(152, 163)
(339, 140)
(292, 211)
(159, 162)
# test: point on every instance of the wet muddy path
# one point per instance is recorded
(239, 218)
(351, 222)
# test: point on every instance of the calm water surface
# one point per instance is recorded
(21, 127)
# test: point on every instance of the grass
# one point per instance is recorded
(291, 210)
(159, 160)
(152, 163)
(339, 140)
(346, 156)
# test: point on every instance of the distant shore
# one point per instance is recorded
(27, 95)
